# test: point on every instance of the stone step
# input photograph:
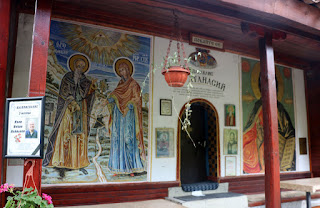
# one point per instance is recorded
(177, 191)
(221, 200)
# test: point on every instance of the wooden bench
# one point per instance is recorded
(286, 196)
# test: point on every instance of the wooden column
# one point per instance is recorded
(270, 123)
(37, 77)
(4, 39)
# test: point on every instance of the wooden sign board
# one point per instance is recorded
(207, 42)
(24, 127)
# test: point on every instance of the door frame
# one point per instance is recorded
(217, 138)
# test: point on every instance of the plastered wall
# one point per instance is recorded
(20, 84)
(226, 72)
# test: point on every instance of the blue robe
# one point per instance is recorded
(127, 148)
(124, 153)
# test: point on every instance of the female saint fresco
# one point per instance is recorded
(127, 148)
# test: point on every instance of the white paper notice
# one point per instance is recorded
(197, 193)
(24, 124)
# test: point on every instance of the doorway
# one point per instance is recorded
(199, 154)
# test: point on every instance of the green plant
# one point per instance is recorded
(172, 61)
(27, 198)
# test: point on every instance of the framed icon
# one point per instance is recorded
(164, 145)
(230, 141)
(165, 107)
(230, 115)
(24, 127)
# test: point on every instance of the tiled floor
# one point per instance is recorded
(157, 203)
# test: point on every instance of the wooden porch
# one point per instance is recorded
(226, 19)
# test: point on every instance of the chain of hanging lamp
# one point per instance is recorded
(176, 32)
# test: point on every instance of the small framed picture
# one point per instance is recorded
(165, 107)
(230, 115)
(230, 141)
(24, 127)
(164, 142)
(231, 165)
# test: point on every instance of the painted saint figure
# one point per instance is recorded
(127, 148)
(68, 141)
(232, 144)
(253, 141)
(230, 116)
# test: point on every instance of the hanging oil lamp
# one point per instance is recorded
(174, 72)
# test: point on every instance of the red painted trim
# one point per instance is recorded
(217, 136)
(38, 73)
(253, 184)
(39, 57)
(67, 195)
(13, 41)
(258, 31)
(270, 123)
(4, 39)
(308, 118)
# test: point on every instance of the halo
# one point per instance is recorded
(78, 56)
(230, 107)
(255, 82)
(121, 60)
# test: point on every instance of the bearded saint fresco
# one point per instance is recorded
(96, 126)
(253, 141)
(68, 141)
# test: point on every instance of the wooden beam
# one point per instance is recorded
(14, 20)
(297, 11)
(37, 78)
(103, 18)
(66, 195)
(250, 11)
(270, 123)
(4, 39)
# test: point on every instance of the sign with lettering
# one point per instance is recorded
(208, 42)
(24, 124)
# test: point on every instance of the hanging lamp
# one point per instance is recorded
(174, 72)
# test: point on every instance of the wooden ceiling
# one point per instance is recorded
(315, 3)
(217, 19)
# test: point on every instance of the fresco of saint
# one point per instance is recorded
(90, 99)
(127, 148)
(253, 133)
(68, 141)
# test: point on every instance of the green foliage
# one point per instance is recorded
(28, 198)
(50, 80)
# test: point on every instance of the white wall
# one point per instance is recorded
(303, 163)
(227, 71)
(20, 84)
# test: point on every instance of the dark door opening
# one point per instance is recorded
(194, 156)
